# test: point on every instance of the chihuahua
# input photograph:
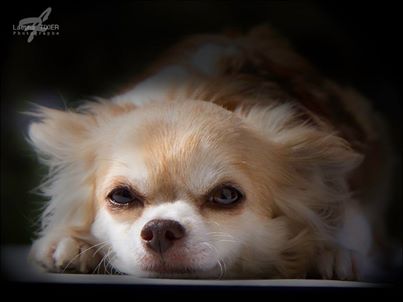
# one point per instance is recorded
(232, 158)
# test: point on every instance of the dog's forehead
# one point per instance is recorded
(193, 148)
(183, 130)
(193, 156)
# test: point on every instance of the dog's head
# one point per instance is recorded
(192, 189)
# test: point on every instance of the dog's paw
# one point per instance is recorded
(65, 255)
(338, 264)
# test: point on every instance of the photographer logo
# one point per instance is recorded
(35, 26)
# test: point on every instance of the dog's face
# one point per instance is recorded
(180, 190)
(191, 189)
(247, 182)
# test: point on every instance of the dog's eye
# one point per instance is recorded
(122, 196)
(225, 195)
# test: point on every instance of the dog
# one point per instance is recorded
(233, 157)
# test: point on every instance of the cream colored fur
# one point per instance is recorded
(173, 138)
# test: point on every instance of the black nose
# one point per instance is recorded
(160, 234)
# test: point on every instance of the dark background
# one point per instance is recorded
(101, 47)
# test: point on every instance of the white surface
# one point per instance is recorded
(16, 267)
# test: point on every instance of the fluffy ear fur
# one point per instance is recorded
(318, 160)
(63, 141)
(58, 134)
(58, 137)
(309, 142)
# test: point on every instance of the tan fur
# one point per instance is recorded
(263, 118)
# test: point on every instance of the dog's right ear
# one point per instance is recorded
(57, 135)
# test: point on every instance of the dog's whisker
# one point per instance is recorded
(98, 267)
(223, 237)
(221, 269)
(224, 268)
(214, 222)
(226, 240)
(82, 252)
(219, 234)
(110, 258)
(106, 265)
(220, 262)
(100, 248)
(114, 270)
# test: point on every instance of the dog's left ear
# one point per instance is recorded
(312, 149)
(306, 146)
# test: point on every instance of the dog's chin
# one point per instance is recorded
(159, 267)
(162, 270)
(177, 263)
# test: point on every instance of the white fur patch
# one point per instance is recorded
(356, 236)
(356, 233)
(155, 88)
